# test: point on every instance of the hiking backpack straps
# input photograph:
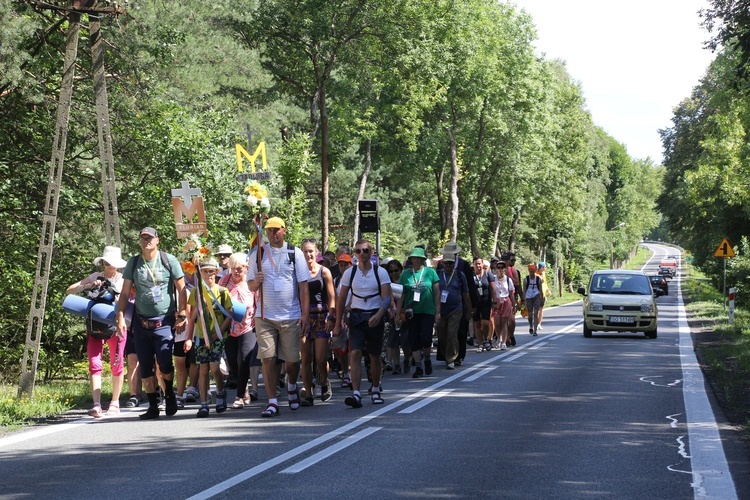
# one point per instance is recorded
(164, 262)
(351, 281)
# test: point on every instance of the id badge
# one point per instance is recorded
(444, 296)
(156, 292)
(417, 295)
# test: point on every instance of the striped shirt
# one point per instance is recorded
(280, 292)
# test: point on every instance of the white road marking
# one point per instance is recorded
(426, 401)
(480, 373)
(538, 346)
(711, 476)
(646, 379)
(512, 358)
(323, 454)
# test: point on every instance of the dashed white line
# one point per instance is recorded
(425, 401)
(323, 454)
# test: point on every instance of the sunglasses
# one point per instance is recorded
(209, 270)
(362, 250)
(391, 271)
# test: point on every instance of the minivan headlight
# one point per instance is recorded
(594, 306)
(647, 308)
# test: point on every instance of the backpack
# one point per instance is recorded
(377, 278)
(538, 285)
(290, 253)
(292, 261)
(105, 294)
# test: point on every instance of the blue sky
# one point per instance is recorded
(635, 60)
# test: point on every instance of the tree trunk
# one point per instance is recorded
(496, 221)
(324, 169)
(362, 186)
(513, 230)
(453, 190)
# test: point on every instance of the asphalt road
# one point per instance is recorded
(558, 416)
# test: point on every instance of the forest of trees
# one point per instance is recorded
(439, 109)
(706, 192)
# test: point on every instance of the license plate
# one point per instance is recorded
(622, 319)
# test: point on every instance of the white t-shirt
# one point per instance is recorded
(280, 298)
(502, 288)
(365, 285)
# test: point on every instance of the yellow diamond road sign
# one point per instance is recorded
(724, 250)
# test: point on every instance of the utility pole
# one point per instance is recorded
(72, 9)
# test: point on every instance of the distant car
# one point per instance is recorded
(667, 271)
(659, 282)
(618, 300)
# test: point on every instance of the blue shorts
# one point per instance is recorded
(420, 331)
(156, 342)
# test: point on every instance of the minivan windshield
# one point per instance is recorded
(622, 284)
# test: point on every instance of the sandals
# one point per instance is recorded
(202, 412)
(326, 393)
(355, 401)
(308, 401)
(238, 404)
(113, 410)
(346, 382)
(133, 402)
(377, 398)
(96, 411)
(272, 410)
(294, 401)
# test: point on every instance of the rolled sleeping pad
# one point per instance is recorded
(396, 290)
(238, 311)
(102, 312)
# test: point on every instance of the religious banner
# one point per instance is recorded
(189, 212)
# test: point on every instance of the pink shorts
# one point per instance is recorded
(95, 348)
(505, 309)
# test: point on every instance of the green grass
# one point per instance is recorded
(724, 349)
(50, 399)
(640, 258)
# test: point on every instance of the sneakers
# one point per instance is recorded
(503, 347)
(450, 366)
(180, 402)
(253, 395)
(427, 367)
(191, 394)
(487, 346)
(326, 392)
(539, 327)
(203, 412)
(221, 401)
(96, 412)
(162, 404)
(355, 401)
(480, 348)
(418, 372)
(458, 362)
